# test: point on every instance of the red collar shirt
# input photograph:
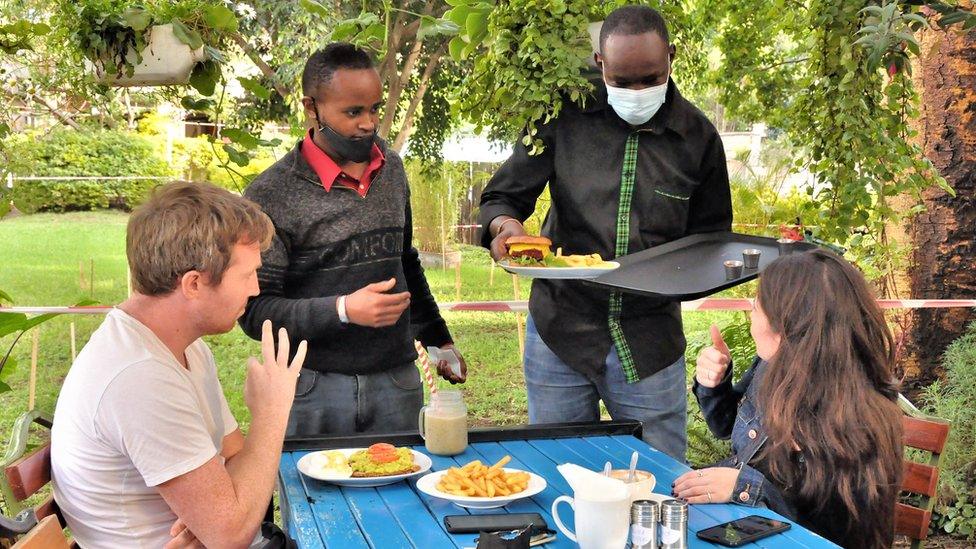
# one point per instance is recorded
(330, 173)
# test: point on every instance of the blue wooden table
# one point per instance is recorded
(319, 514)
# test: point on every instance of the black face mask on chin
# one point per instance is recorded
(348, 148)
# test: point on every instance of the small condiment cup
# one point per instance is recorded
(733, 269)
(750, 258)
(785, 246)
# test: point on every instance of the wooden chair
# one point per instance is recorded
(929, 435)
(25, 474)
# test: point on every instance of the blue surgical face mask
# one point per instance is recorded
(637, 106)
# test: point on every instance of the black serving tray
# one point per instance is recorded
(691, 267)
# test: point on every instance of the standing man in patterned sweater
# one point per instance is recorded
(342, 271)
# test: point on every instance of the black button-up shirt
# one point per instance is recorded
(682, 188)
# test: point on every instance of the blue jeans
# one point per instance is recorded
(339, 404)
(557, 393)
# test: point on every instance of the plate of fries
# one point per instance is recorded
(480, 486)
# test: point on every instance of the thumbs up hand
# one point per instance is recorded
(713, 361)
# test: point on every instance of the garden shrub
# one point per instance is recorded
(953, 398)
(69, 152)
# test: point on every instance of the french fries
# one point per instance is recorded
(589, 260)
(482, 481)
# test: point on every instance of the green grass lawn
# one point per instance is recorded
(47, 260)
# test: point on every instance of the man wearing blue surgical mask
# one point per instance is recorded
(635, 167)
(342, 271)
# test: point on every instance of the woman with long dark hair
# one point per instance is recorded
(815, 428)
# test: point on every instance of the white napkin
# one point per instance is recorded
(591, 485)
(437, 354)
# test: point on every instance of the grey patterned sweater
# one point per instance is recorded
(333, 243)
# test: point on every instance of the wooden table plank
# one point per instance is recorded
(415, 520)
(295, 509)
(337, 524)
(441, 508)
(376, 523)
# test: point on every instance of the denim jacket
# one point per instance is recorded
(731, 411)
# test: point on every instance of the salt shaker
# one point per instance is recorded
(674, 525)
(644, 520)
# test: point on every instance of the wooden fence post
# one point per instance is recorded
(32, 383)
(518, 318)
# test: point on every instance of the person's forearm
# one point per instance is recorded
(254, 469)
(307, 318)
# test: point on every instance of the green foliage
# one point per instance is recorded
(952, 398)
(18, 36)
(818, 74)
(760, 196)
(533, 56)
(65, 152)
(19, 324)
(434, 121)
(435, 196)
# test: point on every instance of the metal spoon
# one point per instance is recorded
(633, 467)
(606, 469)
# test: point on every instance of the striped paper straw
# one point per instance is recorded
(425, 364)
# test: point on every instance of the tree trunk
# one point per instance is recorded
(264, 67)
(944, 235)
(408, 115)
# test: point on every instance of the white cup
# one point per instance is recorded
(600, 523)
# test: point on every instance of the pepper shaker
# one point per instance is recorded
(674, 525)
(644, 518)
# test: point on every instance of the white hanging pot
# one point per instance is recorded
(165, 61)
(594, 31)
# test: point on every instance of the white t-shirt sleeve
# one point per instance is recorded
(149, 413)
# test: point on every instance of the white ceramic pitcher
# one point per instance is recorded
(602, 518)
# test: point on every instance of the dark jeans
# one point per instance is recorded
(557, 393)
(338, 404)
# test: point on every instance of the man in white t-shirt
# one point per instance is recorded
(144, 449)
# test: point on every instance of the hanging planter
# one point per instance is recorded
(157, 44)
(166, 60)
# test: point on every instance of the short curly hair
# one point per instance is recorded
(322, 64)
(630, 20)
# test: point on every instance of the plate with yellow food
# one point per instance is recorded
(532, 257)
(480, 486)
(378, 465)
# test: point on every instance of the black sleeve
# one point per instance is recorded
(720, 403)
(711, 204)
(514, 188)
(306, 318)
(425, 318)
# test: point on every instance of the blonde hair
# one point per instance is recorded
(187, 226)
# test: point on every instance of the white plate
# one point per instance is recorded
(304, 466)
(428, 485)
(558, 272)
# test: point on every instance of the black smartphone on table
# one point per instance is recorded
(469, 524)
(742, 531)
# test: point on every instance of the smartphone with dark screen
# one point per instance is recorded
(466, 524)
(744, 530)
